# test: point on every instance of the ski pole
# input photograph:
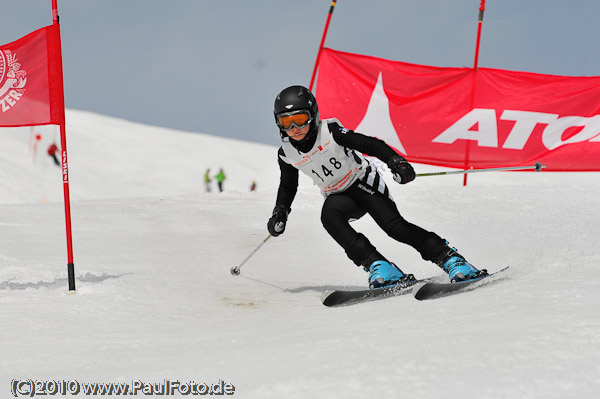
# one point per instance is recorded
(538, 168)
(236, 269)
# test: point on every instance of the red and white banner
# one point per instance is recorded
(31, 87)
(456, 117)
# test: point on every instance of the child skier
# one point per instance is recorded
(332, 156)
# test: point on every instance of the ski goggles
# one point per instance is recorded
(287, 120)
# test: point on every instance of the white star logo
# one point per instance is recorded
(377, 121)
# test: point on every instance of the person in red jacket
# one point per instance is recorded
(52, 151)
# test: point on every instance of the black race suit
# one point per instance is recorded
(357, 200)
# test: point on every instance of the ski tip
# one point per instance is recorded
(430, 290)
(326, 295)
(416, 288)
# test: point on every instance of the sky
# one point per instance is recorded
(216, 66)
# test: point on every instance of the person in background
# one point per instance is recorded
(52, 151)
(207, 180)
(220, 179)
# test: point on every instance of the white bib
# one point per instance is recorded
(331, 167)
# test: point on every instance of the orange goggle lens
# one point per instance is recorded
(285, 121)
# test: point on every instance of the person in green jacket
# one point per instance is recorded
(220, 178)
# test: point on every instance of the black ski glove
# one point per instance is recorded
(403, 171)
(276, 224)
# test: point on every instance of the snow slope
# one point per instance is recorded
(156, 300)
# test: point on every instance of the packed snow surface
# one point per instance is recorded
(156, 301)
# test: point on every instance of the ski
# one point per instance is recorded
(350, 297)
(430, 290)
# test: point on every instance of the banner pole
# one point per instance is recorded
(65, 164)
(314, 73)
(475, 68)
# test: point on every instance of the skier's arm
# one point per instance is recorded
(402, 170)
(288, 186)
(288, 183)
(359, 142)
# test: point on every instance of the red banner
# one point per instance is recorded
(458, 117)
(31, 80)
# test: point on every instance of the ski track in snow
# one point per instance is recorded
(156, 300)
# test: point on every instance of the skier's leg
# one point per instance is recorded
(336, 213)
(384, 212)
(337, 210)
(437, 250)
(431, 246)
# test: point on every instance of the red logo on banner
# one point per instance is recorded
(459, 116)
(12, 80)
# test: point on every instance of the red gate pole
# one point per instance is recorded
(312, 79)
(65, 167)
(479, 23)
(475, 67)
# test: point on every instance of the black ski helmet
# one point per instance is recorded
(295, 98)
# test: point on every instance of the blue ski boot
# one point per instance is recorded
(456, 266)
(383, 273)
